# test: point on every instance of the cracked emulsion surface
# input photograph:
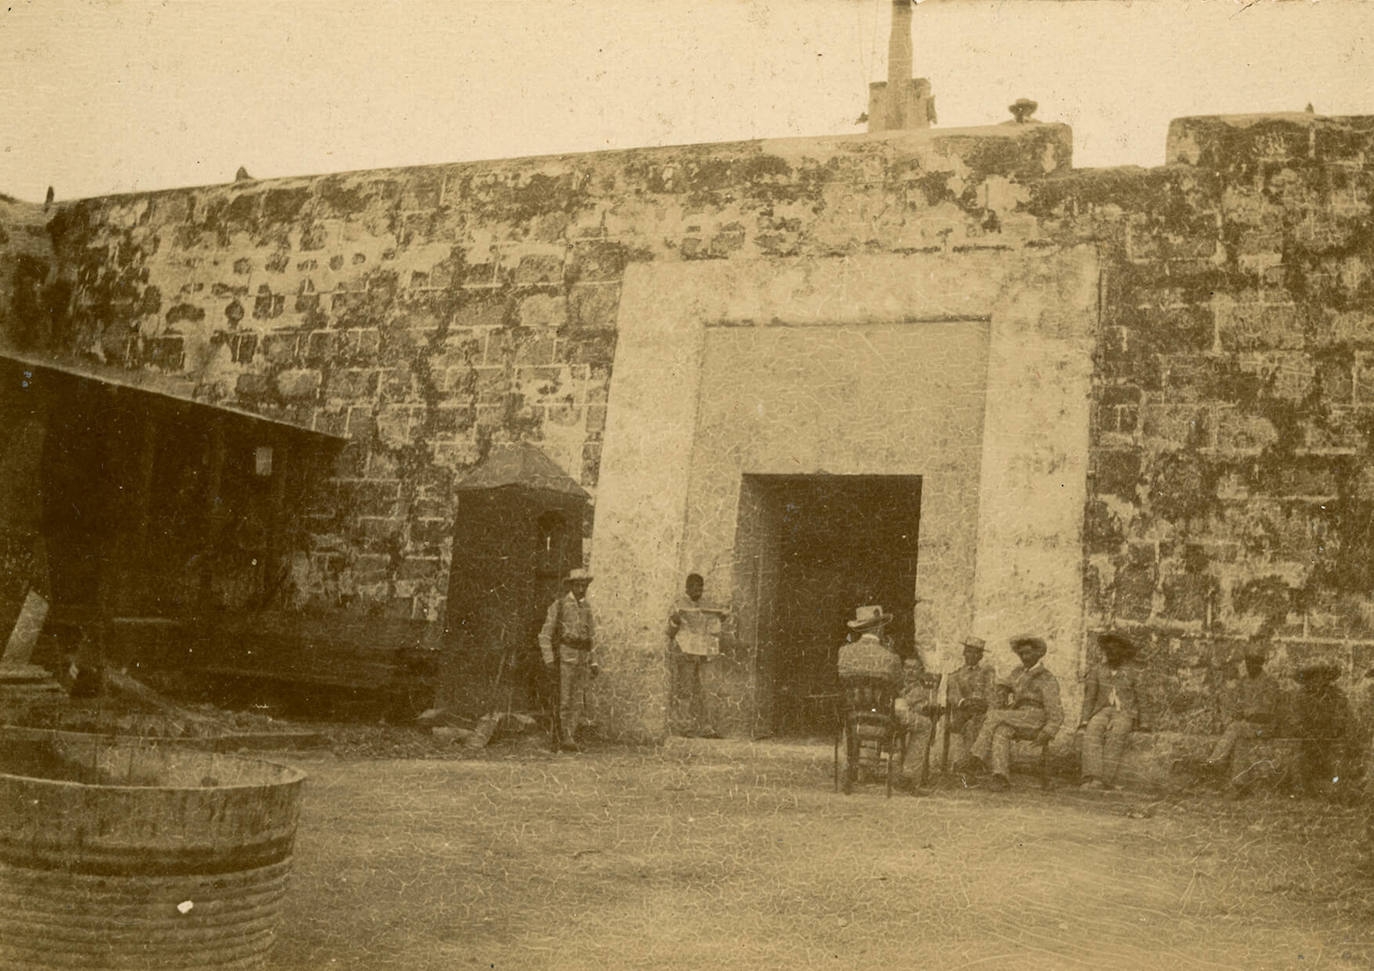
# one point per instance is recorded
(725, 854)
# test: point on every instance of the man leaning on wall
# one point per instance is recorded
(694, 628)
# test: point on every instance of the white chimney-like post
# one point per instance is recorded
(902, 102)
(898, 62)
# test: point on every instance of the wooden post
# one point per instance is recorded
(215, 513)
(273, 577)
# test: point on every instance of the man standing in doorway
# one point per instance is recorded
(568, 639)
(694, 627)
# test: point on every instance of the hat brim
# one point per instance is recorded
(870, 623)
(1108, 642)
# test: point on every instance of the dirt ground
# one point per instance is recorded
(714, 854)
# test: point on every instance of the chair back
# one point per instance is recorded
(868, 695)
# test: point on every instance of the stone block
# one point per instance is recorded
(465, 347)
(593, 307)
(431, 533)
(399, 384)
(1133, 588)
(1188, 596)
(1182, 485)
(597, 350)
(543, 310)
(1251, 325)
(1180, 426)
(535, 351)
(1286, 375)
(394, 425)
(281, 348)
(1103, 531)
(243, 347)
(1236, 431)
(368, 498)
(596, 260)
(563, 411)
(536, 269)
(1117, 472)
(591, 463)
(351, 384)
(1314, 477)
(298, 384)
(331, 421)
(362, 425)
(252, 384)
(165, 353)
(422, 568)
(350, 463)
(1363, 379)
(1172, 329)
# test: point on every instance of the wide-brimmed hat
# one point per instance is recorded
(1110, 640)
(1029, 643)
(866, 618)
(579, 574)
(976, 643)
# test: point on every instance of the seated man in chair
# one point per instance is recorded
(870, 655)
(916, 710)
(1031, 711)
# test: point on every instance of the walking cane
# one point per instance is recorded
(932, 696)
(555, 715)
(944, 746)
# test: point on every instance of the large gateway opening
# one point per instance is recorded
(811, 548)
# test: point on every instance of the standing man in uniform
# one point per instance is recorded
(971, 691)
(1111, 708)
(1030, 711)
(1250, 709)
(568, 639)
(694, 627)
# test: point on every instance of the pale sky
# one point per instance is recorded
(123, 95)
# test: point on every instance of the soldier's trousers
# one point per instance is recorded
(993, 745)
(695, 682)
(963, 732)
(574, 672)
(1104, 740)
(918, 729)
(1235, 732)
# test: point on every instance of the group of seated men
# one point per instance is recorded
(986, 714)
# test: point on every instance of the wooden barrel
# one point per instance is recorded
(136, 855)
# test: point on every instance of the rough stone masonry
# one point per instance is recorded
(1139, 398)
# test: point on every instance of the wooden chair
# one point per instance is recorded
(868, 731)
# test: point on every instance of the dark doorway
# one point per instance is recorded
(840, 542)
